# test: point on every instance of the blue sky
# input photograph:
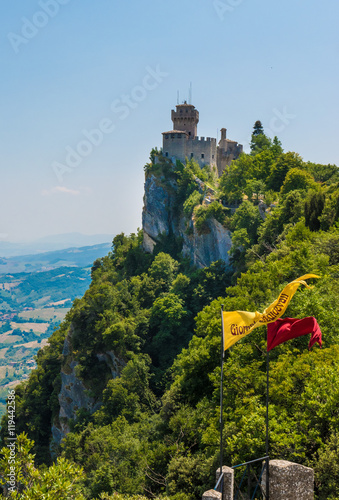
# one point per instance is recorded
(110, 71)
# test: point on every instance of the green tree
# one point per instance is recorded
(128, 394)
(258, 129)
(168, 327)
(259, 140)
(194, 199)
(283, 164)
(327, 174)
(276, 148)
(114, 456)
(240, 241)
(247, 217)
(297, 179)
(233, 180)
(330, 212)
(261, 164)
(154, 153)
(61, 481)
(327, 468)
(204, 213)
(163, 271)
(254, 188)
(314, 206)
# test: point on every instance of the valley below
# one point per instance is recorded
(36, 292)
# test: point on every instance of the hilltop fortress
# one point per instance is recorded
(182, 142)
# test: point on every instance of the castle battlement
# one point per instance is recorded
(182, 142)
(202, 139)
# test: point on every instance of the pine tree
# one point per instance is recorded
(258, 129)
(259, 140)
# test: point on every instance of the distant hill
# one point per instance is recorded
(77, 257)
(52, 243)
(32, 305)
(31, 290)
(36, 292)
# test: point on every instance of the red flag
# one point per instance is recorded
(290, 328)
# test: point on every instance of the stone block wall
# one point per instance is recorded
(227, 151)
(287, 481)
(204, 150)
(228, 483)
(174, 144)
(180, 146)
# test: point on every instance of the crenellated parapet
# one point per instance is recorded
(197, 140)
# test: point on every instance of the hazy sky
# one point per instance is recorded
(101, 77)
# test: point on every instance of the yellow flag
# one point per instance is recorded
(238, 324)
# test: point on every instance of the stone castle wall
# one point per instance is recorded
(204, 150)
(179, 145)
(226, 152)
(174, 144)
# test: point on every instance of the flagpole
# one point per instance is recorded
(267, 402)
(221, 388)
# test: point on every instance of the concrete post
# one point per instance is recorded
(228, 486)
(289, 481)
(211, 495)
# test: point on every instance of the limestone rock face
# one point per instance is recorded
(73, 394)
(160, 217)
(72, 397)
(156, 214)
(206, 248)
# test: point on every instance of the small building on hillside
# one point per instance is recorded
(182, 142)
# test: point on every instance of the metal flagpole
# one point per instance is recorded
(267, 401)
(221, 387)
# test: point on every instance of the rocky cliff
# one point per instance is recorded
(74, 394)
(160, 217)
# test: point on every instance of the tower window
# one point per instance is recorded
(191, 155)
(212, 157)
(202, 155)
(166, 154)
(173, 136)
(166, 136)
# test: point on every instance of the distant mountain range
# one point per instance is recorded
(69, 257)
(36, 291)
(52, 243)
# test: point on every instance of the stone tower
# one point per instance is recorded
(186, 119)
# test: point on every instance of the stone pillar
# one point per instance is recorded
(289, 481)
(211, 495)
(228, 486)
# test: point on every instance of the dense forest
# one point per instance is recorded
(156, 433)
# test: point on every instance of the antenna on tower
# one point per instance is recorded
(190, 94)
(177, 96)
